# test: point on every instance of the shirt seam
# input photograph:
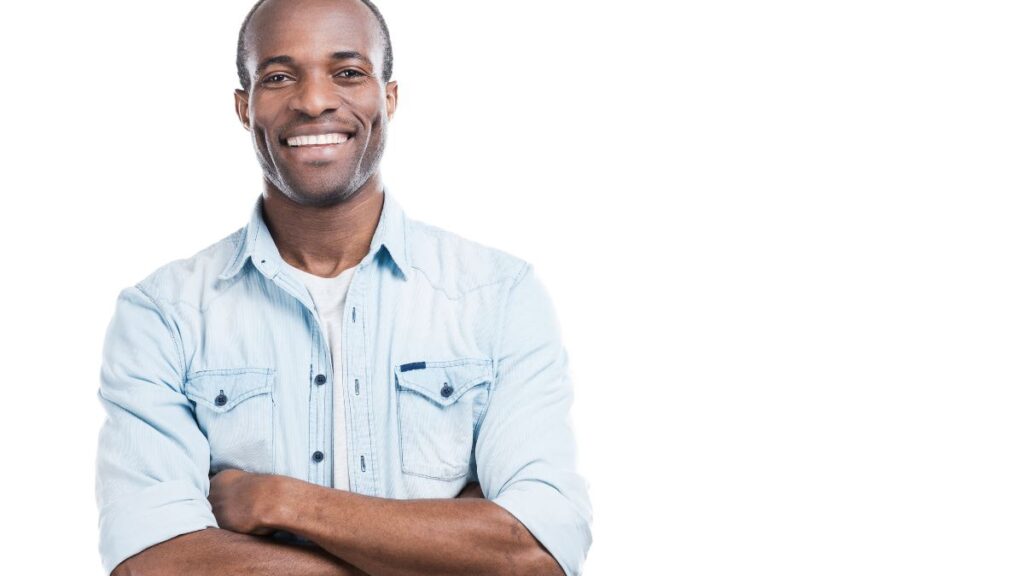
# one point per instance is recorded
(164, 318)
(462, 294)
(499, 342)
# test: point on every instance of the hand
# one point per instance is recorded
(241, 500)
(472, 490)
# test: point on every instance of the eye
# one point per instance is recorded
(269, 79)
(350, 73)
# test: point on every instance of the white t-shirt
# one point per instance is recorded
(329, 299)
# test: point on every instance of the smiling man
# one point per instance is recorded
(335, 388)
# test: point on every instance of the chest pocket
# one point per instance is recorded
(439, 406)
(235, 410)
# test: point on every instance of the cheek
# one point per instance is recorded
(263, 116)
(370, 107)
(258, 133)
(263, 138)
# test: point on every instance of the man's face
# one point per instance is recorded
(315, 69)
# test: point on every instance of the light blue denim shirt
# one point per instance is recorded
(454, 372)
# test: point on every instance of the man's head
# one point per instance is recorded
(242, 53)
(316, 67)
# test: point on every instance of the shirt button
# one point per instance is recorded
(320, 379)
(221, 399)
(318, 456)
(446, 390)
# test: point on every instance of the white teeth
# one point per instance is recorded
(317, 139)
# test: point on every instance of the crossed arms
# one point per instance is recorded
(377, 536)
(160, 510)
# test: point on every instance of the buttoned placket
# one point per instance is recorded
(362, 472)
(320, 380)
(356, 386)
(355, 381)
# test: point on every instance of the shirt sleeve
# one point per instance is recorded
(526, 450)
(152, 462)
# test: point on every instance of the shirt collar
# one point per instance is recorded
(258, 245)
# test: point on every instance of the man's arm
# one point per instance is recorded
(526, 448)
(226, 553)
(385, 537)
(152, 465)
(152, 462)
(214, 551)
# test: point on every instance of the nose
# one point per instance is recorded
(315, 96)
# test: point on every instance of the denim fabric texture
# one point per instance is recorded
(454, 372)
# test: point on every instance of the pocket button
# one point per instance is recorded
(234, 409)
(439, 404)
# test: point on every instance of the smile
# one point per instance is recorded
(317, 140)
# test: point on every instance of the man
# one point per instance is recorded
(335, 388)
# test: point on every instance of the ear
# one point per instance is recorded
(242, 107)
(391, 93)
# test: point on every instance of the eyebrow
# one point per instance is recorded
(343, 55)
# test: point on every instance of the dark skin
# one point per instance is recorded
(322, 205)
(380, 536)
(222, 551)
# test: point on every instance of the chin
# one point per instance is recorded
(321, 194)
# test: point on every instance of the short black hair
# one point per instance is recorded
(242, 54)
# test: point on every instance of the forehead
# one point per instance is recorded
(312, 30)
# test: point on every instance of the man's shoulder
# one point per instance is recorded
(188, 279)
(456, 264)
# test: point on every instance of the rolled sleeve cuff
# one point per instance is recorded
(552, 520)
(151, 516)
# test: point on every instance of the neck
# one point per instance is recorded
(324, 240)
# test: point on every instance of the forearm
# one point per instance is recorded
(386, 537)
(224, 553)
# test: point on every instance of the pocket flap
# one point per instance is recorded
(443, 382)
(223, 389)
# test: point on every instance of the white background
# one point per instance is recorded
(784, 240)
